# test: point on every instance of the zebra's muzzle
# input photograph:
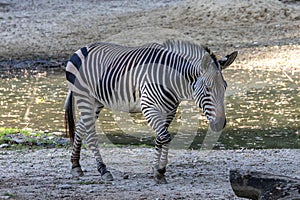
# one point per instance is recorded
(218, 124)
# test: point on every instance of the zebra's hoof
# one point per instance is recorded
(76, 172)
(159, 175)
(161, 180)
(107, 176)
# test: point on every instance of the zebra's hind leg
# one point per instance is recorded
(76, 170)
(92, 142)
(89, 111)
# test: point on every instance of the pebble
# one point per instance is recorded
(65, 186)
(4, 145)
(4, 197)
(18, 141)
(125, 176)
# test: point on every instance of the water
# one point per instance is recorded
(263, 111)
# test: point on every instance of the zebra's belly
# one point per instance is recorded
(135, 107)
(124, 106)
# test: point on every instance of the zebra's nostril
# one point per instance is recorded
(218, 124)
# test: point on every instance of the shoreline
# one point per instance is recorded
(54, 31)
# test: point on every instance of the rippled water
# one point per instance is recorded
(262, 110)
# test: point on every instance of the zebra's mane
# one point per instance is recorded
(188, 49)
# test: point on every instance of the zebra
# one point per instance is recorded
(152, 79)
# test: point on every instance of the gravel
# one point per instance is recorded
(45, 173)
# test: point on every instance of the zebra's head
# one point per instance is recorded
(209, 89)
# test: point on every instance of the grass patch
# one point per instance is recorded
(18, 138)
(7, 194)
(9, 131)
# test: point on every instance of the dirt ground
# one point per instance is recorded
(55, 29)
(266, 34)
(45, 173)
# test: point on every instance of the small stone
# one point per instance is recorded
(4, 145)
(125, 176)
(18, 141)
(65, 186)
(4, 197)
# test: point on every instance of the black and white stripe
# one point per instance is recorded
(152, 79)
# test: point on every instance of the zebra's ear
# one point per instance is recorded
(228, 60)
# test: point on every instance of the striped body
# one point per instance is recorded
(118, 79)
(152, 79)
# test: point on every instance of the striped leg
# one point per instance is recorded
(76, 170)
(92, 143)
(160, 124)
(89, 114)
(165, 146)
(160, 163)
(162, 150)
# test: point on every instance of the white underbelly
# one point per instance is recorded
(130, 106)
(135, 107)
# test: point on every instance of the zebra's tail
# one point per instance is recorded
(69, 117)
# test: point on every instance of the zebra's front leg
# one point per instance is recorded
(159, 115)
(160, 162)
(162, 142)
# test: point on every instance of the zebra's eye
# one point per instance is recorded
(207, 90)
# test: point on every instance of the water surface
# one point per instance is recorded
(262, 111)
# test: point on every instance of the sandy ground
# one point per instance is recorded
(266, 34)
(55, 29)
(44, 174)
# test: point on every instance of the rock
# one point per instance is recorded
(4, 145)
(125, 176)
(65, 186)
(17, 140)
(264, 186)
(4, 197)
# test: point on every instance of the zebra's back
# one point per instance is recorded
(116, 75)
